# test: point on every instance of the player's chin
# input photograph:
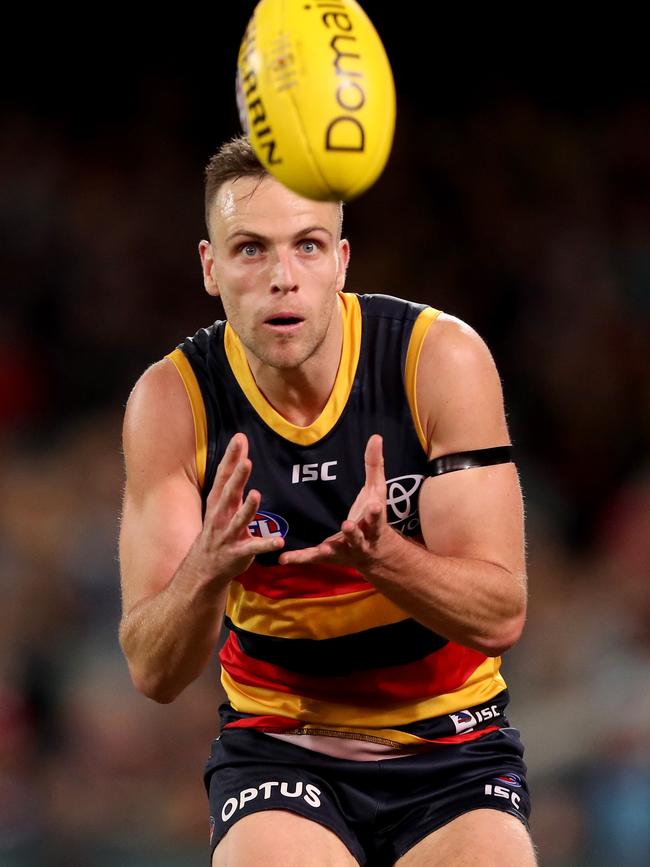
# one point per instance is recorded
(287, 355)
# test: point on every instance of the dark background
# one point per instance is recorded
(517, 197)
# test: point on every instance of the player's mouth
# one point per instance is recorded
(284, 323)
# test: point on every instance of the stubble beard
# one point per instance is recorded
(281, 355)
(276, 357)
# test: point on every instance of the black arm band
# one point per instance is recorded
(468, 460)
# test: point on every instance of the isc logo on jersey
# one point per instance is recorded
(465, 720)
(266, 524)
(326, 472)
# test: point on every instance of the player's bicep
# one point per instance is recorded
(476, 514)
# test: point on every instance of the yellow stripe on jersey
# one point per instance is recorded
(322, 617)
(182, 365)
(351, 313)
(482, 685)
(420, 330)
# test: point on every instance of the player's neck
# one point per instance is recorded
(300, 394)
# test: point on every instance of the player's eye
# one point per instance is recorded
(249, 250)
(308, 246)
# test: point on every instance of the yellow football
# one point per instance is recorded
(316, 96)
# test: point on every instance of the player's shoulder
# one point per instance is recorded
(458, 388)
(158, 418)
(158, 388)
(452, 346)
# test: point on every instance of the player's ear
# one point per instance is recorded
(208, 267)
(344, 258)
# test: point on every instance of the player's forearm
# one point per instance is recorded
(168, 638)
(472, 602)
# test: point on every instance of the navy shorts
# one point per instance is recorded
(379, 809)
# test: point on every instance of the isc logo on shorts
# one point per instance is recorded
(503, 792)
(310, 796)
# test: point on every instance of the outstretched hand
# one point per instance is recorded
(356, 542)
(226, 541)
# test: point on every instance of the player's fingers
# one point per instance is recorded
(253, 547)
(374, 460)
(245, 514)
(305, 555)
(236, 449)
(372, 522)
(233, 491)
(220, 512)
(354, 536)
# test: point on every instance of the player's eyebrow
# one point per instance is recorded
(244, 233)
(255, 236)
(315, 228)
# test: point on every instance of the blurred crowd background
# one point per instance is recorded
(517, 198)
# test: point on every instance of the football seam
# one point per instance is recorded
(308, 148)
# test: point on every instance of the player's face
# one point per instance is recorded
(276, 262)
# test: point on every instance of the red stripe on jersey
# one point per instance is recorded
(458, 739)
(440, 672)
(283, 723)
(268, 723)
(299, 582)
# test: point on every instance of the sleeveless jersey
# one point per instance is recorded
(316, 649)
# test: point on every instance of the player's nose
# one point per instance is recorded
(282, 273)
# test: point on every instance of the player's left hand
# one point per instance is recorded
(357, 542)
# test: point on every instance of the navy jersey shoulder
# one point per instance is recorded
(390, 307)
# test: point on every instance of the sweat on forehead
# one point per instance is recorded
(263, 197)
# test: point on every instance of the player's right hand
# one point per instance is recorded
(226, 543)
